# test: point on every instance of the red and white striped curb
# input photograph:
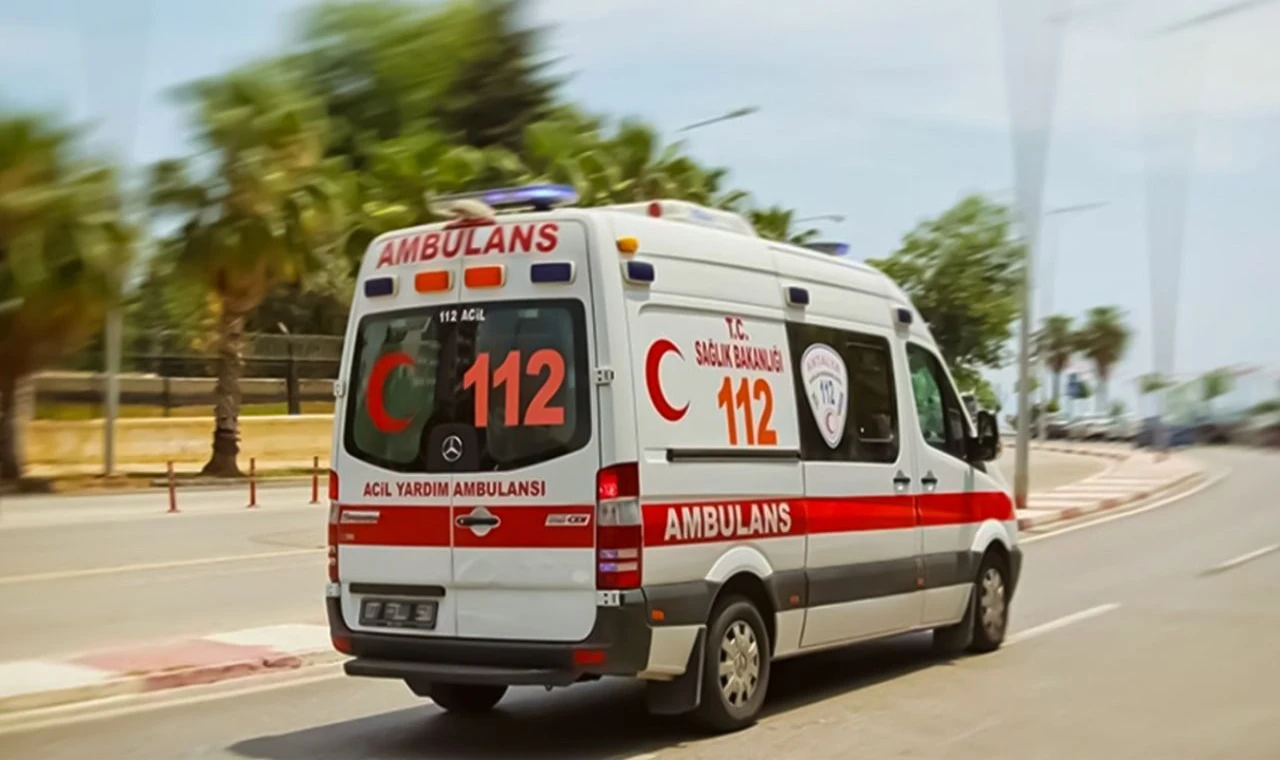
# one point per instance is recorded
(1135, 477)
(31, 684)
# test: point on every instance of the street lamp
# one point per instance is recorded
(1049, 259)
(736, 113)
(837, 218)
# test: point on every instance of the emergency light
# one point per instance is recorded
(537, 197)
(835, 249)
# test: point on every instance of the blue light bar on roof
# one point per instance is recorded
(835, 249)
(540, 197)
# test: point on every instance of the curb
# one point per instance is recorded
(1086, 451)
(1071, 513)
(143, 683)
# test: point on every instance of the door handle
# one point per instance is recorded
(901, 482)
(468, 521)
(929, 481)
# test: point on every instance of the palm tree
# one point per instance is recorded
(775, 223)
(1056, 343)
(266, 213)
(1103, 340)
(64, 249)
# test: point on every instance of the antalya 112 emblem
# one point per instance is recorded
(826, 384)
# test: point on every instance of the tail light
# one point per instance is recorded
(619, 529)
(333, 485)
(334, 513)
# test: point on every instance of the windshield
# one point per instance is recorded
(467, 388)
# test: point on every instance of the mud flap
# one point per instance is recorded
(682, 694)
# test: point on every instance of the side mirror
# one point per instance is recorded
(985, 446)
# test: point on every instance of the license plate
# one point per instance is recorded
(398, 613)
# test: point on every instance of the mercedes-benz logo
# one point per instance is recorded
(451, 449)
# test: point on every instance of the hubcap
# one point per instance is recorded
(993, 604)
(739, 664)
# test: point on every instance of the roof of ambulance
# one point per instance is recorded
(625, 218)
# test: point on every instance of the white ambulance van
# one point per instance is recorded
(643, 441)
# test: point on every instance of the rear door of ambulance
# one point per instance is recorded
(490, 414)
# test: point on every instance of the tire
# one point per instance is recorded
(465, 699)
(983, 626)
(990, 609)
(736, 635)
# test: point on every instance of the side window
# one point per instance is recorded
(941, 418)
(850, 412)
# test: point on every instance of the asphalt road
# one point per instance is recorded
(1129, 639)
(80, 573)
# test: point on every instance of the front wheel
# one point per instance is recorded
(466, 699)
(735, 669)
(991, 616)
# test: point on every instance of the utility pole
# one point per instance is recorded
(1032, 53)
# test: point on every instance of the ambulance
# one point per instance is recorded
(644, 441)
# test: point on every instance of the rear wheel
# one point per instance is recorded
(735, 669)
(465, 699)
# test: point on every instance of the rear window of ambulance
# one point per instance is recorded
(512, 374)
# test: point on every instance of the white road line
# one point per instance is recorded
(1061, 622)
(1243, 558)
(69, 574)
(1120, 515)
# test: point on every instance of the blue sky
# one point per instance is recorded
(885, 111)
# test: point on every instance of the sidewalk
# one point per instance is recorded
(31, 684)
(1136, 475)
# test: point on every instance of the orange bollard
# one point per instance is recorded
(173, 490)
(253, 483)
(315, 480)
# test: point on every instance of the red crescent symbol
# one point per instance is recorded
(827, 420)
(652, 360)
(377, 382)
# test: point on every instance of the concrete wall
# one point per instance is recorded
(275, 441)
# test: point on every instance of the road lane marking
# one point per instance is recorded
(1121, 512)
(1243, 558)
(62, 575)
(1062, 622)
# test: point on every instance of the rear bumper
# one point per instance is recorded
(618, 644)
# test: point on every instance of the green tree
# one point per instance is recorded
(778, 223)
(389, 69)
(1056, 343)
(65, 247)
(264, 213)
(1214, 384)
(1103, 339)
(1153, 382)
(501, 85)
(963, 271)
